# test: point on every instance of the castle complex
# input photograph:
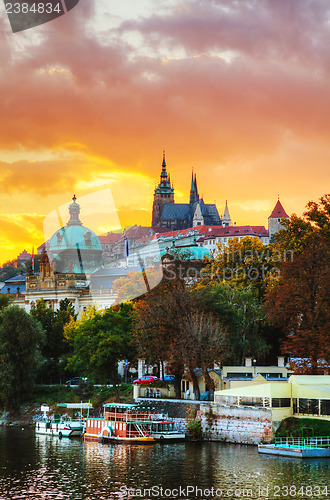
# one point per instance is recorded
(174, 216)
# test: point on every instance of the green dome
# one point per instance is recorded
(75, 248)
(73, 237)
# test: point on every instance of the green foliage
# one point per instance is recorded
(194, 426)
(99, 340)
(5, 300)
(55, 347)
(240, 312)
(20, 339)
(303, 427)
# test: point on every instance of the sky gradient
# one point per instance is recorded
(238, 90)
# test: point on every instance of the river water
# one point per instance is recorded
(40, 467)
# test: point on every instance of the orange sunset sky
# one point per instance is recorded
(238, 90)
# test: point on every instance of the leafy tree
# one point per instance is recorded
(298, 230)
(239, 310)
(136, 284)
(5, 300)
(242, 264)
(21, 337)
(55, 347)
(170, 328)
(99, 340)
(300, 302)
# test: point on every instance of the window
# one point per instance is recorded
(281, 403)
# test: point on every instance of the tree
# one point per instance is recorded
(239, 310)
(99, 340)
(21, 337)
(243, 264)
(170, 327)
(5, 300)
(55, 346)
(300, 302)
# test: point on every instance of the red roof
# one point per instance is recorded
(229, 231)
(110, 238)
(278, 211)
(136, 231)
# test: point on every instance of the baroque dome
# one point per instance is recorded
(74, 247)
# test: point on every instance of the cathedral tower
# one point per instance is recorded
(163, 194)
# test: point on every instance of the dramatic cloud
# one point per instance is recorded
(237, 89)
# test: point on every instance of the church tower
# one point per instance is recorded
(194, 196)
(163, 194)
(226, 220)
(274, 220)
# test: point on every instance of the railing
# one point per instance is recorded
(303, 442)
(127, 417)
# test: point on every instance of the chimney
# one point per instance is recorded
(248, 361)
(280, 361)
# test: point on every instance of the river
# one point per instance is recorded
(40, 467)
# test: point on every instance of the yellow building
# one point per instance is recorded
(300, 396)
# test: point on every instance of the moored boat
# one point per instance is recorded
(131, 423)
(56, 425)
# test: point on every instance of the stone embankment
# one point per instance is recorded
(234, 424)
(231, 424)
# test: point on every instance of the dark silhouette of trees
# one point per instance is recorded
(21, 337)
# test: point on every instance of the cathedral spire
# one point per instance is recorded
(193, 189)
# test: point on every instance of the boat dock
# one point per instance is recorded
(308, 447)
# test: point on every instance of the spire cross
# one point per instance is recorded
(74, 198)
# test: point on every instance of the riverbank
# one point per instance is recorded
(29, 411)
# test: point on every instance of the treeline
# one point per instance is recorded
(249, 300)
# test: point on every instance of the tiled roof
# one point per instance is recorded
(278, 211)
(138, 232)
(14, 279)
(110, 238)
(228, 231)
(175, 211)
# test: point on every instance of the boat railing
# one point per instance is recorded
(127, 416)
(303, 442)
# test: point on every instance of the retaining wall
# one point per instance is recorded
(232, 424)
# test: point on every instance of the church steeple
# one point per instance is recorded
(194, 196)
(226, 220)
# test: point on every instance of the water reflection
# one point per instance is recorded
(38, 467)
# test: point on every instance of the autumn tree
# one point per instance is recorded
(245, 263)
(170, 327)
(300, 303)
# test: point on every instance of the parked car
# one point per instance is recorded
(146, 379)
(169, 378)
(75, 381)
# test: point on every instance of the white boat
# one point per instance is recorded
(165, 430)
(62, 426)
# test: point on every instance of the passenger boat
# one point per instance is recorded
(62, 426)
(131, 423)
